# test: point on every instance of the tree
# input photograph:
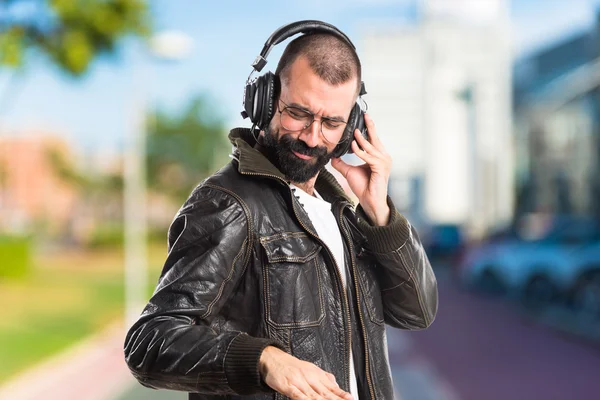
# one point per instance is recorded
(69, 33)
(72, 33)
(183, 149)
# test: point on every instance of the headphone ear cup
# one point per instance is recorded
(342, 148)
(258, 101)
(267, 87)
(249, 98)
(271, 85)
(353, 123)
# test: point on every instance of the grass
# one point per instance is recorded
(67, 297)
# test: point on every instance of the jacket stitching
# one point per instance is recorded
(225, 281)
(295, 324)
(248, 218)
(266, 294)
(180, 233)
(412, 261)
(294, 259)
(282, 235)
(393, 251)
(171, 378)
(412, 277)
(289, 340)
(395, 287)
(245, 243)
(226, 353)
(371, 309)
(268, 291)
(211, 372)
(264, 240)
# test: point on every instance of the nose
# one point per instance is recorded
(311, 135)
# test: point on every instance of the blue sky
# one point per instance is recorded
(96, 111)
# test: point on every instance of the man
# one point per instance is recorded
(274, 285)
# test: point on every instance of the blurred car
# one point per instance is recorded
(541, 261)
(443, 241)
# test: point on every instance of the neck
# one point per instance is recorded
(308, 186)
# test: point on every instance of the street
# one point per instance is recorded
(489, 349)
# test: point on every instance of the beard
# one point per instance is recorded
(279, 152)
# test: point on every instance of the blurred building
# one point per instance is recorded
(33, 195)
(440, 94)
(557, 120)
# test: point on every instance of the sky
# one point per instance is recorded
(96, 112)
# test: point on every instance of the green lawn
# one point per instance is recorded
(66, 298)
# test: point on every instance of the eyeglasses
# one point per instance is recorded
(295, 119)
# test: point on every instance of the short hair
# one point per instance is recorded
(330, 57)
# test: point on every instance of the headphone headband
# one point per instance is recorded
(288, 30)
(261, 93)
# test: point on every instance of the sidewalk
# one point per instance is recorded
(91, 370)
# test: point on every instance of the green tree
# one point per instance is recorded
(184, 148)
(72, 33)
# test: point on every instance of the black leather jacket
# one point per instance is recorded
(245, 269)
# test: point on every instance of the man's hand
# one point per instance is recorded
(369, 181)
(297, 379)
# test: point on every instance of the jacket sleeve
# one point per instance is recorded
(172, 344)
(408, 284)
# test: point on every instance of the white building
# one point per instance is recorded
(440, 95)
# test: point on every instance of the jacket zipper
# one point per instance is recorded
(339, 275)
(360, 314)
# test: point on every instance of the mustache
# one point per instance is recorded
(299, 146)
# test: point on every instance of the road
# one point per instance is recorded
(490, 349)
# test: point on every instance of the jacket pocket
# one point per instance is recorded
(371, 293)
(293, 295)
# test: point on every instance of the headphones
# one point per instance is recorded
(261, 93)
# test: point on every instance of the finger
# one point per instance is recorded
(330, 391)
(311, 393)
(335, 396)
(341, 166)
(331, 378)
(296, 394)
(365, 144)
(373, 137)
(340, 394)
(362, 154)
(307, 389)
(333, 391)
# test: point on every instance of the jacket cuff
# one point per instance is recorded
(384, 239)
(241, 364)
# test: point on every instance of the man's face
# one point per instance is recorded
(300, 155)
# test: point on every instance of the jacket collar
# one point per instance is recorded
(252, 162)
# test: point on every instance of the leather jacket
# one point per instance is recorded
(245, 270)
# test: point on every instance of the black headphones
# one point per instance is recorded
(261, 93)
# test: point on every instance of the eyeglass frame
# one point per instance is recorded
(326, 119)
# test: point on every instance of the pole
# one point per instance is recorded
(136, 274)
(166, 45)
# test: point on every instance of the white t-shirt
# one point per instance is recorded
(324, 222)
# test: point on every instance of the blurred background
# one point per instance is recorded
(112, 110)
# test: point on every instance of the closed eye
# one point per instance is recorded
(297, 114)
(329, 124)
